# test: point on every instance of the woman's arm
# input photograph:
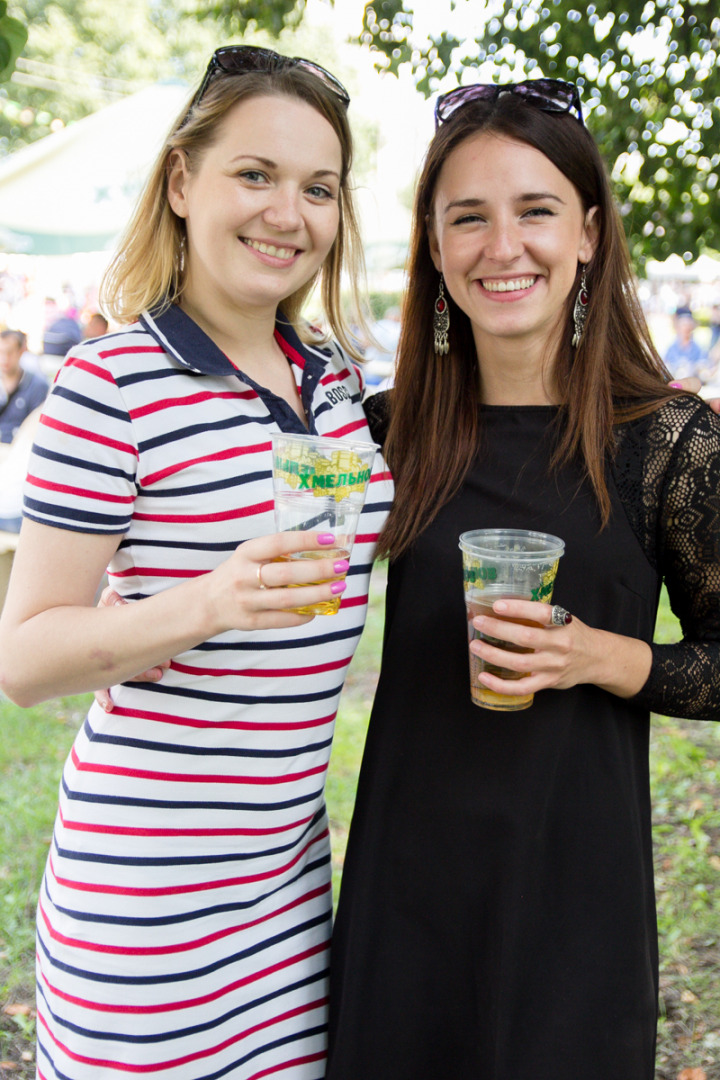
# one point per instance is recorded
(685, 676)
(680, 493)
(54, 641)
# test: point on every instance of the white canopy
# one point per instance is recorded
(75, 190)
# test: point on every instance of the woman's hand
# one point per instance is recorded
(260, 589)
(694, 386)
(560, 656)
(261, 583)
(109, 598)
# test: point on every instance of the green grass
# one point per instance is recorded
(33, 747)
(686, 791)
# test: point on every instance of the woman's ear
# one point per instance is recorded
(591, 235)
(177, 179)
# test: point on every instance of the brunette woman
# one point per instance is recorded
(496, 919)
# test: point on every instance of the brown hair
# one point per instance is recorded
(18, 336)
(148, 268)
(615, 373)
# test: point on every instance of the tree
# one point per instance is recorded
(84, 54)
(13, 36)
(649, 72)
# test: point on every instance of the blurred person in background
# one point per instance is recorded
(685, 357)
(21, 391)
(381, 350)
(61, 334)
(96, 325)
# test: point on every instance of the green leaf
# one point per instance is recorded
(13, 37)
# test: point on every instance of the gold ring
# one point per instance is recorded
(259, 576)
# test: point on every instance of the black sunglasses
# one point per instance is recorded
(241, 59)
(550, 95)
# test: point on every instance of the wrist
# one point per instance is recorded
(622, 664)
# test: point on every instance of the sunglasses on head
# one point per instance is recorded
(241, 59)
(549, 95)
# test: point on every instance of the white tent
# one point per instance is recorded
(74, 190)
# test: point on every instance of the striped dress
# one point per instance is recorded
(185, 914)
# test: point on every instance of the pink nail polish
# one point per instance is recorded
(338, 587)
(341, 566)
(676, 385)
(326, 538)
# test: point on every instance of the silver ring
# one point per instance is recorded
(259, 576)
(559, 616)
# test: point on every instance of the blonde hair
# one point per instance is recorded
(148, 268)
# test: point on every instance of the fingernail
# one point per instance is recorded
(676, 385)
(326, 538)
(499, 605)
(338, 587)
(341, 566)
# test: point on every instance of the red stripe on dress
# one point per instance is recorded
(377, 477)
(190, 778)
(223, 455)
(92, 369)
(320, 1056)
(335, 376)
(190, 1003)
(179, 890)
(354, 601)
(290, 352)
(225, 725)
(67, 489)
(182, 946)
(88, 436)
(191, 399)
(131, 830)
(347, 429)
(227, 515)
(156, 1066)
(266, 673)
(131, 350)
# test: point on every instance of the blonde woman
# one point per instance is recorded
(184, 917)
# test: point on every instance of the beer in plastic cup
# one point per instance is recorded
(505, 564)
(320, 484)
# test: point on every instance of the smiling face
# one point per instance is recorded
(261, 206)
(507, 232)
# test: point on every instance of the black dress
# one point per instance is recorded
(497, 913)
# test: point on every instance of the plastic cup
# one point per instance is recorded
(505, 564)
(320, 484)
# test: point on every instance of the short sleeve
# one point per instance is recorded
(377, 410)
(83, 466)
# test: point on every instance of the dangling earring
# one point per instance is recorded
(580, 310)
(441, 322)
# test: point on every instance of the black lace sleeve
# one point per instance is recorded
(377, 410)
(675, 456)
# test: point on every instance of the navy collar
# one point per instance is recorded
(186, 342)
